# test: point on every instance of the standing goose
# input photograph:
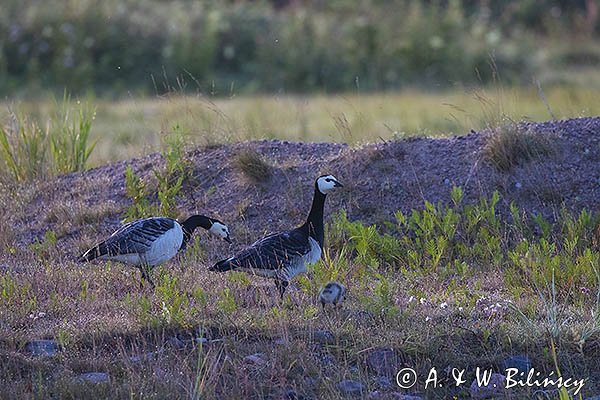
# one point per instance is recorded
(282, 256)
(149, 242)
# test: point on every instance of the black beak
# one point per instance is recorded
(227, 239)
(337, 184)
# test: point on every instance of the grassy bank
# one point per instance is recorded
(130, 128)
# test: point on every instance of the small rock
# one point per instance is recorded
(401, 396)
(327, 360)
(176, 343)
(42, 348)
(383, 361)
(255, 359)
(383, 382)
(375, 395)
(94, 377)
(518, 185)
(350, 387)
(324, 337)
(447, 182)
(593, 398)
(144, 357)
(520, 362)
(495, 388)
(291, 394)
(311, 381)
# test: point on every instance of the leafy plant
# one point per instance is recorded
(174, 303)
(169, 181)
(226, 302)
(135, 189)
(43, 247)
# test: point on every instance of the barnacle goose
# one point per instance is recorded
(332, 293)
(282, 256)
(149, 242)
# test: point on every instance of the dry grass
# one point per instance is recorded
(147, 341)
(511, 145)
(131, 127)
(112, 327)
(253, 166)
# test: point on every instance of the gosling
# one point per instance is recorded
(332, 293)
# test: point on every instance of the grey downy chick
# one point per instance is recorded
(332, 293)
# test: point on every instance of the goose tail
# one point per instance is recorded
(93, 253)
(222, 266)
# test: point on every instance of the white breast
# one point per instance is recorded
(299, 265)
(165, 246)
(314, 254)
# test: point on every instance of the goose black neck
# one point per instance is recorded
(314, 222)
(190, 224)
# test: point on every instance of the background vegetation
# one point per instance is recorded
(226, 48)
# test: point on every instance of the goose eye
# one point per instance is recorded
(328, 180)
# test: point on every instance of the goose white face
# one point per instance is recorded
(220, 230)
(327, 183)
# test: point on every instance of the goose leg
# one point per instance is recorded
(281, 286)
(145, 276)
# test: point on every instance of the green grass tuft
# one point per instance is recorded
(29, 152)
(70, 136)
(23, 148)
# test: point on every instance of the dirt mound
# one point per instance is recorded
(379, 179)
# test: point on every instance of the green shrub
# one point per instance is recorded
(135, 189)
(458, 239)
(169, 181)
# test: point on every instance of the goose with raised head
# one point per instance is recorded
(283, 255)
(149, 242)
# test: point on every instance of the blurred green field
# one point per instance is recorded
(115, 47)
(133, 127)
